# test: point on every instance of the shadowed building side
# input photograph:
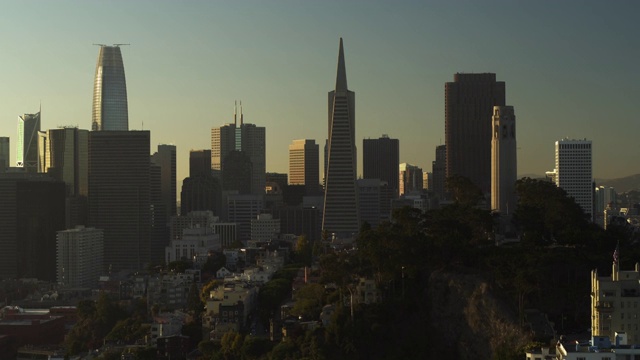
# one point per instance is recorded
(469, 102)
(119, 196)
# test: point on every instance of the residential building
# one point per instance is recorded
(504, 160)
(78, 251)
(340, 215)
(380, 160)
(573, 171)
(110, 109)
(469, 102)
(304, 165)
(615, 302)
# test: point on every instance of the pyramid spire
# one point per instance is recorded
(341, 78)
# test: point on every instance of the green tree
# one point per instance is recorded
(194, 302)
(463, 190)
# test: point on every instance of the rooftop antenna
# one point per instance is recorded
(120, 44)
(241, 115)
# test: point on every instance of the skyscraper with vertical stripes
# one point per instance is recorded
(340, 215)
(110, 109)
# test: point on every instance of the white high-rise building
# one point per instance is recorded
(573, 172)
(79, 257)
(504, 160)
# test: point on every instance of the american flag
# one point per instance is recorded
(616, 254)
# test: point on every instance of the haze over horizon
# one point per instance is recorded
(569, 67)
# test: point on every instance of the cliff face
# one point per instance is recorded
(469, 320)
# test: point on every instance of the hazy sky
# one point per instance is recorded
(571, 70)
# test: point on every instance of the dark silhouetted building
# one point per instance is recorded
(380, 160)
(5, 153)
(201, 193)
(119, 196)
(439, 172)
(242, 137)
(340, 215)
(199, 162)
(469, 102)
(31, 212)
(64, 155)
(238, 172)
(165, 158)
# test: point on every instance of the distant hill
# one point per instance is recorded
(628, 183)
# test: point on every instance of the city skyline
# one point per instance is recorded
(568, 69)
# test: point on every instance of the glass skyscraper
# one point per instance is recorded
(27, 149)
(110, 110)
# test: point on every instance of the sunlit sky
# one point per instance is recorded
(571, 70)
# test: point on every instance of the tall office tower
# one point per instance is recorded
(410, 178)
(238, 172)
(165, 157)
(381, 159)
(605, 197)
(245, 137)
(199, 162)
(110, 109)
(265, 228)
(427, 181)
(119, 196)
(78, 250)
(374, 196)
(4, 153)
(340, 214)
(64, 155)
(439, 171)
(201, 193)
(31, 211)
(573, 172)
(304, 165)
(468, 108)
(159, 231)
(504, 160)
(27, 147)
(241, 209)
